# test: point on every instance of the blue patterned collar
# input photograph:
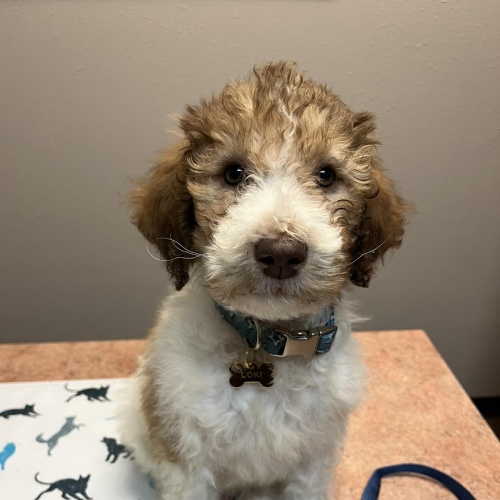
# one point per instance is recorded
(279, 341)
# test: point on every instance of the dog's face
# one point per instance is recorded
(277, 185)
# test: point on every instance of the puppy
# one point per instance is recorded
(265, 212)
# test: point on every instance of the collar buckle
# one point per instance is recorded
(303, 342)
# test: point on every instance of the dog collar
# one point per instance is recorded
(281, 342)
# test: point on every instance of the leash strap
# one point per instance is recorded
(372, 489)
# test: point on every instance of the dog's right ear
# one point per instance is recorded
(162, 208)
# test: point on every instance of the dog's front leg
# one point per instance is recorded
(177, 482)
(311, 481)
(272, 492)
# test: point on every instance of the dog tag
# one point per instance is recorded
(242, 373)
(251, 372)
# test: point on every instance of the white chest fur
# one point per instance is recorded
(251, 434)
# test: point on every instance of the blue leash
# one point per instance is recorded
(372, 489)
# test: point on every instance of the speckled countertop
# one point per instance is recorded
(414, 410)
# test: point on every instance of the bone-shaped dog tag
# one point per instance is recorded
(251, 372)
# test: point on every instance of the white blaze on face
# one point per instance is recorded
(272, 207)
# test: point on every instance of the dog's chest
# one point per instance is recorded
(253, 431)
(250, 433)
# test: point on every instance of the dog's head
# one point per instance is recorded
(277, 185)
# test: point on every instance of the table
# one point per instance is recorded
(414, 411)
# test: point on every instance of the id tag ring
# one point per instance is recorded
(258, 337)
(249, 371)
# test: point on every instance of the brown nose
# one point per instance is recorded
(281, 258)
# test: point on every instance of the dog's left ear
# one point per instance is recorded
(162, 210)
(381, 227)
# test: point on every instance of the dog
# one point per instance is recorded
(270, 206)
(115, 449)
(68, 426)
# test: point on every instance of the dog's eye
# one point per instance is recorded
(234, 174)
(326, 176)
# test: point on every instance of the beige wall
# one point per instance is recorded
(84, 92)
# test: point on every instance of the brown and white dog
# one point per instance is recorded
(266, 211)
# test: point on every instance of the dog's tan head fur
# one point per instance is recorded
(282, 131)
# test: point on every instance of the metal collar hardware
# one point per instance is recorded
(304, 342)
(280, 342)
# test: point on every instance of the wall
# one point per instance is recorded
(85, 89)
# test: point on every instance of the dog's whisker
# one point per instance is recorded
(170, 260)
(373, 250)
(180, 247)
(180, 257)
(176, 244)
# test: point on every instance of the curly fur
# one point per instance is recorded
(198, 436)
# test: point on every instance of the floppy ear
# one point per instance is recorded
(163, 208)
(381, 227)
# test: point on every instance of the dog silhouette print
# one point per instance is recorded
(68, 426)
(92, 393)
(115, 449)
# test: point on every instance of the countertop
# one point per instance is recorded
(414, 410)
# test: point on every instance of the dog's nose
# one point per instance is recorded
(281, 258)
